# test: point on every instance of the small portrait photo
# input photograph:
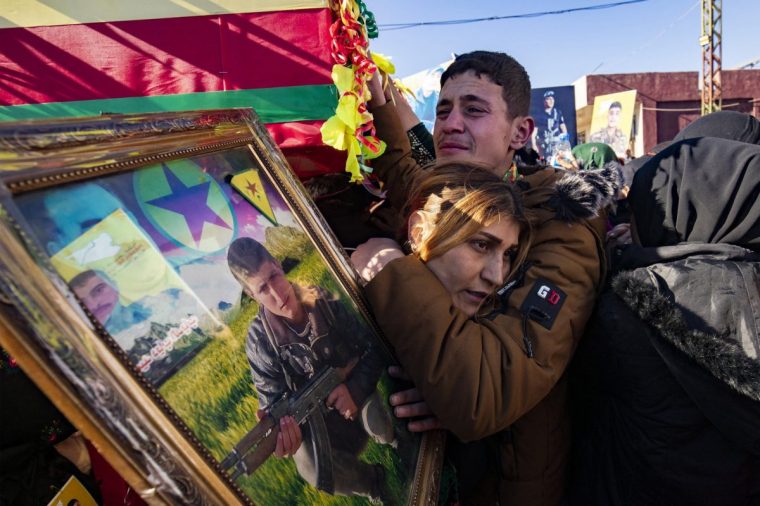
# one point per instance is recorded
(553, 110)
(612, 120)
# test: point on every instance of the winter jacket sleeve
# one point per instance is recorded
(477, 375)
(396, 167)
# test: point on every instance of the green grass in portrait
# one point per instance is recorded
(214, 395)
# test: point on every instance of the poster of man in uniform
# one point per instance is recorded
(612, 120)
(554, 112)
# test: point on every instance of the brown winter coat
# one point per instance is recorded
(478, 376)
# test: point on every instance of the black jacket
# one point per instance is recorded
(666, 382)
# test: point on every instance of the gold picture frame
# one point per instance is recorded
(123, 300)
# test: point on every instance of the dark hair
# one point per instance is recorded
(245, 257)
(501, 69)
(526, 157)
(83, 277)
(616, 104)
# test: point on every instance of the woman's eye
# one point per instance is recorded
(511, 255)
(480, 245)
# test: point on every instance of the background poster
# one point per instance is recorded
(612, 120)
(554, 112)
(426, 86)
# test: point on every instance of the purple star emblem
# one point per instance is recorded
(190, 202)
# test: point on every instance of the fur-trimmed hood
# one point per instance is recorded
(701, 317)
(568, 195)
(572, 195)
(722, 356)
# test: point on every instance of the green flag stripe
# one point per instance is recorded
(273, 105)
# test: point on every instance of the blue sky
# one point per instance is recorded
(656, 35)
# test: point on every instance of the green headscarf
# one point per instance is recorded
(593, 155)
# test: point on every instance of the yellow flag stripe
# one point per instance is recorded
(29, 13)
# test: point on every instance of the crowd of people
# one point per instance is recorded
(588, 335)
(614, 361)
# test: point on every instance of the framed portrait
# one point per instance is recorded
(167, 283)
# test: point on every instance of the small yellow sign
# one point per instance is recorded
(73, 493)
(249, 185)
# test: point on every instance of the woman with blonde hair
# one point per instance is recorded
(468, 227)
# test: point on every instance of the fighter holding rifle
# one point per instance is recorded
(315, 374)
(260, 442)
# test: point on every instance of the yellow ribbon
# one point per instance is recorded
(383, 63)
(344, 130)
(404, 89)
(343, 77)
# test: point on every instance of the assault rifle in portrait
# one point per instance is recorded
(306, 404)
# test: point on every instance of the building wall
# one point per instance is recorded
(671, 100)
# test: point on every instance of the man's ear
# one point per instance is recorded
(522, 129)
(416, 229)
